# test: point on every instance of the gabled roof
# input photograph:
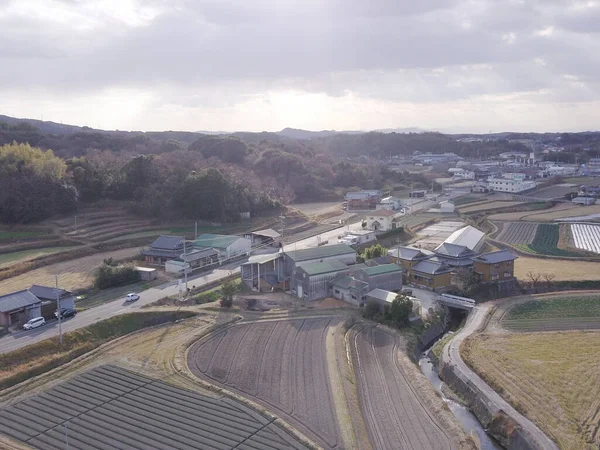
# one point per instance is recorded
(347, 282)
(495, 257)
(468, 236)
(431, 267)
(319, 268)
(383, 295)
(454, 251)
(262, 259)
(195, 255)
(382, 269)
(220, 241)
(325, 251)
(452, 262)
(17, 300)
(383, 212)
(409, 253)
(47, 293)
(380, 260)
(267, 233)
(165, 242)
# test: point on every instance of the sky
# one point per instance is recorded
(262, 65)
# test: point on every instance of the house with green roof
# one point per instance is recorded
(228, 246)
(311, 281)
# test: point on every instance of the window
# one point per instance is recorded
(495, 276)
(337, 291)
(354, 297)
(496, 266)
(508, 274)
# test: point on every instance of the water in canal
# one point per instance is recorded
(465, 417)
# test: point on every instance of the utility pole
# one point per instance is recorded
(185, 265)
(282, 228)
(196, 230)
(59, 311)
(66, 436)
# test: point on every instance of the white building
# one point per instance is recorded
(469, 237)
(447, 207)
(381, 220)
(357, 237)
(228, 246)
(510, 182)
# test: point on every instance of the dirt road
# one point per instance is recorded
(281, 365)
(393, 413)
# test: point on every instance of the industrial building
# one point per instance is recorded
(469, 237)
(510, 182)
(228, 246)
(312, 281)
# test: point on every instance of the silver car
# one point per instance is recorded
(34, 323)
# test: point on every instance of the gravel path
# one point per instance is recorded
(281, 365)
(394, 416)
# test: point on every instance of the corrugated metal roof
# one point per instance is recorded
(17, 300)
(407, 253)
(346, 282)
(468, 236)
(261, 259)
(267, 233)
(383, 295)
(320, 252)
(324, 267)
(165, 242)
(47, 293)
(380, 270)
(431, 267)
(221, 241)
(454, 250)
(195, 255)
(496, 257)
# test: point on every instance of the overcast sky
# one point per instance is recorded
(453, 65)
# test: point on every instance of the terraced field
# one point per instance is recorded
(568, 313)
(394, 416)
(517, 232)
(281, 365)
(487, 206)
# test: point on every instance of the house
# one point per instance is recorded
(194, 260)
(264, 237)
(228, 246)
(381, 220)
(337, 252)
(312, 281)
(469, 237)
(18, 307)
(407, 257)
(264, 272)
(165, 248)
(350, 290)
(363, 199)
(455, 256)
(385, 276)
(47, 297)
(433, 275)
(496, 266)
(510, 182)
(384, 299)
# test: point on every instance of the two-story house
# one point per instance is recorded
(496, 266)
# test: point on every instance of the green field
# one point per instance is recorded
(557, 308)
(26, 255)
(467, 199)
(545, 242)
(11, 235)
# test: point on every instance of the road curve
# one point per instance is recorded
(451, 355)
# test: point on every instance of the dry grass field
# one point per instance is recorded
(560, 211)
(552, 377)
(563, 270)
(486, 206)
(73, 274)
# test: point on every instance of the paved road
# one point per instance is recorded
(452, 356)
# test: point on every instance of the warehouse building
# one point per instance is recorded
(350, 290)
(385, 276)
(228, 246)
(263, 273)
(336, 252)
(469, 237)
(312, 281)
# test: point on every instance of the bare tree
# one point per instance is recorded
(549, 277)
(534, 278)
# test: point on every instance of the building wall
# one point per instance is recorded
(430, 281)
(495, 272)
(384, 221)
(239, 247)
(386, 281)
(314, 287)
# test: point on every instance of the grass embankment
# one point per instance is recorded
(555, 313)
(12, 235)
(552, 378)
(438, 347)
(41, 357)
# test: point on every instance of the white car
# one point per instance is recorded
(132, 297)
(34, 323)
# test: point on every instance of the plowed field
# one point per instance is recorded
(281, 365)
(517, 232)
(394, 416)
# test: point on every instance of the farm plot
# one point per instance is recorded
(563, 213)
(563, 313)
(281, 365)
(563, 270)
(557, 191)
(545, 242)
(109, 407)
(517, 232)
(552, 378)
(394, 416)
(73, 274)
(586, 237)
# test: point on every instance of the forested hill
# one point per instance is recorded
(54, 168)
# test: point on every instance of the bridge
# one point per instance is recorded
(456, 302)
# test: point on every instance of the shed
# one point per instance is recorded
(447, 207)
(146, 273)
(228, 246)
(349, 289)
(19, 307)
(264, 272)
(265, 237)
(47, 295)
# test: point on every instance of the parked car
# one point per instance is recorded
(132, 297)
(34, 323)
(66, 313)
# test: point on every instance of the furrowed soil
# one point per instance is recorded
(552, 377)
(563, 270)
(395, 414)
(281, 365)
(73, 274)
(487, 206)
(517, 232)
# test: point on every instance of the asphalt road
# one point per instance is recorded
(452, 356)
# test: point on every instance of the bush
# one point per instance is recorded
(400, 310)
(371, 310)
(228, 290)
(109, 275)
